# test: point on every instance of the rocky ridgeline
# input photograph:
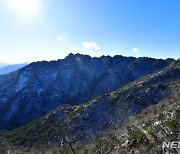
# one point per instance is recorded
(36, 89)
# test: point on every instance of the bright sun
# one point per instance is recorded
(25, 8)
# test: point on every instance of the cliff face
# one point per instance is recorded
(40, 87)
(135, 118)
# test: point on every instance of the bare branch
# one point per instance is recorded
(69, 143)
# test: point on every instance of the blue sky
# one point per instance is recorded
(32, 30)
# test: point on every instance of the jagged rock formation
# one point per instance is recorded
(40, 87)
(102, 124)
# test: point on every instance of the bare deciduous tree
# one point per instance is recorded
(66, 140)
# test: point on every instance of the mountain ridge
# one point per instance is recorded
(84, 123)
(11, 68)
(2, 65)
(39, 87)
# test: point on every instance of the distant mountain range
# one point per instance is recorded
(3, 65)
(133, 118)
(5, 68)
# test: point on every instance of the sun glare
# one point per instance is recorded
(25, 8)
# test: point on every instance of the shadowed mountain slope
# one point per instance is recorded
(39, 87)
(82, 124)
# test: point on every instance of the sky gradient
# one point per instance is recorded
(51, 29)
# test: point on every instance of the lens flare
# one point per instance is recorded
(25, 8)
